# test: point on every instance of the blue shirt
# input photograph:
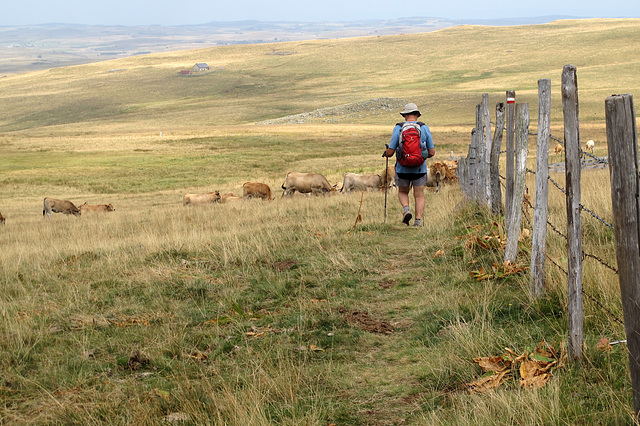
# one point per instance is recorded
(425, 141)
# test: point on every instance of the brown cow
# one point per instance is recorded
(257, 190)
(97, 208)
(195, 199)
(305, 183)
(451, 176)
(389, 176)
(559, 148)
(2, 219)
(437, 174)
(58, 206)
(357, 182)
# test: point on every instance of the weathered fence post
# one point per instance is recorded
(515, 211)
(494, 166)
(471, 166)
(541, 209)
(461, 174)
(509, 174)
(574, 221)
(481, 165)
(486, 121)
(622, 140)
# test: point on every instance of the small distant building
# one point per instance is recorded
(200, 66)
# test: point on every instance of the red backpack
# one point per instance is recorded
(409, 152)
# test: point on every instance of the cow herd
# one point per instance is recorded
(53, 205)
(304, 183)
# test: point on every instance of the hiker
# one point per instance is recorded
(412, 143)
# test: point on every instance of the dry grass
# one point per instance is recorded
(235, 314)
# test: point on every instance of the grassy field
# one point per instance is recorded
(290, 312)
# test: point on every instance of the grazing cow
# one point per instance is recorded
(195, 199)
(389, 177)
(229, 197)
(58, 206)
(590, 145)
(354, 181)
(305, 183)
(559, 148)
(98, 208)
(2, 219)
(257, 190)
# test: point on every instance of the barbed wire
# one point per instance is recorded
(584, 254)
(600, 160)
(591, 212)
(605, 264)
(590, 297)
(585, 153)
(556, 230)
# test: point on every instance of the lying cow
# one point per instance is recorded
(357, 182)
(452, 165)
(58, 206)
(229, 197)
(2, 219)
(195, 199)
(97, 208)
(305, 183)
(256, 190)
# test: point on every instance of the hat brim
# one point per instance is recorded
(410, 112)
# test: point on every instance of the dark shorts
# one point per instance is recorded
(407, 179)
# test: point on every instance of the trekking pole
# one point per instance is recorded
(386, 182)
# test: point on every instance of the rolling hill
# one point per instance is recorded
(443, 71)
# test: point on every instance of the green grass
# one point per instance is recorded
(240, 313)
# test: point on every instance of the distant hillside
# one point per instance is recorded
(32, 48)
(338, 81)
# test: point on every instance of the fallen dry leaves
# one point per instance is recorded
(604, 345)
(533, 369)
(498, 271)
(489, 237)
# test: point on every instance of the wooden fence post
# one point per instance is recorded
(481, 170)
(509, 174)
(574, 221)
(494, 166)
(471, 166)
(461, 174)
(622, 141)
(486, 122)
(541, 210)
(515, 212)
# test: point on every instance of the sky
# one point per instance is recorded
(193, 12)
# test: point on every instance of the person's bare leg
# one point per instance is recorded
(418, 194)
(403, 196)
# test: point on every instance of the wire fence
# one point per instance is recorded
(555, 229)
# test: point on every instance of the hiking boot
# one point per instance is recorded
(406, 217)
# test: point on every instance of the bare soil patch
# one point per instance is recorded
(363, 321)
